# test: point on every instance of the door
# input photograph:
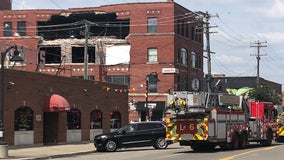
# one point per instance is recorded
(50, 129)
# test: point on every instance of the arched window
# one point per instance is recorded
(23, 119)
(74, 119)
(115, 119)
(96, 119)
(194, 60)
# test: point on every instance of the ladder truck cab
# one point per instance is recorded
(204, 121)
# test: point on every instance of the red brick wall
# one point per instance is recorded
(31, 89)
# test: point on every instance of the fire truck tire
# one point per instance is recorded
(243, 140)
(235, 141)
(269, 138)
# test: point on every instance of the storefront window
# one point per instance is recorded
(96, 119)
(115, 119)
(23, 119)
(74, 119)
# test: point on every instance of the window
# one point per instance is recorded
(78, 54)
(23, 119)
(115, 119)
(123, 79)
(152, 83)
(96, 119)
(152, 25)
(74, 119)
(52, 54)
(21, 28)
(152, 55)
(183, 85)
(194, 60)
(8, 29)
(183, 56)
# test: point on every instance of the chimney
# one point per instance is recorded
(170, 0)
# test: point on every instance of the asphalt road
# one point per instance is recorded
(252, 152)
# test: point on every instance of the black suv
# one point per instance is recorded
(138, 134)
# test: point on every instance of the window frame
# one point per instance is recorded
(7, 31)
(152, 55)
(21, 28)
(152, 25)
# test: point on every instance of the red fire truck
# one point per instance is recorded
(204, 121)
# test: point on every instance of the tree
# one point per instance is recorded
(265, 94)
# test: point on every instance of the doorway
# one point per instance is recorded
(50, 128)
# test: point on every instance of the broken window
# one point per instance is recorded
(73, 26)
(52, 54)
(78, 54)
(8, 29)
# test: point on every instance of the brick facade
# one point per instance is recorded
(176, 30)
(31, 89)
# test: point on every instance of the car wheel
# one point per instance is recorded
(110, 146)
(160, 143)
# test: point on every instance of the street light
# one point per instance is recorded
(16, 57)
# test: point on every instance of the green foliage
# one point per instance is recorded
(264, 94)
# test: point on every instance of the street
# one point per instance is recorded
(252, 152)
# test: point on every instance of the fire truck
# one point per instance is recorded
(205, 121)
(280, 127)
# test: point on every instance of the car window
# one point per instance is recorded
(142, 127)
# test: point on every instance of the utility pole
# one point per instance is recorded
(206, 16)
(258, 45)
(86, 57)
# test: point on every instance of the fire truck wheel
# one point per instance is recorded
(269, 138)
(243, 140)
(235, 141)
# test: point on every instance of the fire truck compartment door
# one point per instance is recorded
(217, 130)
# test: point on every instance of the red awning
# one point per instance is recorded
(56, 103)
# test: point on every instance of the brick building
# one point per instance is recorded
(154, 48)
(47, 109)
(6, 5)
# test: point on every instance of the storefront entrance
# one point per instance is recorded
(50, 130)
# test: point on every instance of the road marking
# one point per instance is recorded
(257, 150)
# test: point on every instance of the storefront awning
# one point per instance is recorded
(56, 103)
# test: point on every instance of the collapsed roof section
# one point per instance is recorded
(73, 25)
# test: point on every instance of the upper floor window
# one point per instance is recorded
(152, 25)
(152, 83)
(8, 29)
(119, 79)
(194, 60)
(183, 56)
(21, 28)
(152, 55)
(78, 54)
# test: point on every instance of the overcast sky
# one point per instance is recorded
(240, 24)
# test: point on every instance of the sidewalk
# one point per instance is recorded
(52, 151)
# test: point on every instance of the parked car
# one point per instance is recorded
(138, 134)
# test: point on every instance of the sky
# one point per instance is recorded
(236, 25)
